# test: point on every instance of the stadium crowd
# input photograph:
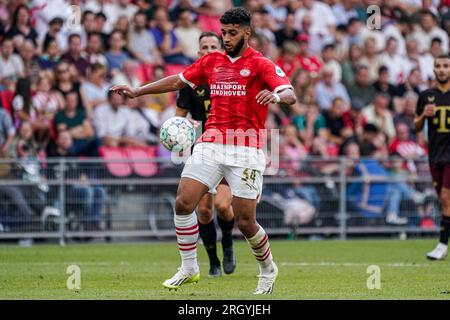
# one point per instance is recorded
(357, 84)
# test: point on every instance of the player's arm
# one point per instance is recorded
(428, 111)
(285, 96)
(167, 84)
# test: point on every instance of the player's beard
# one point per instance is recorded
(236, 49)
(443, 81)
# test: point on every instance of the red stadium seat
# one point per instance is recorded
(139, 157)
(172, 69)
(111, 155)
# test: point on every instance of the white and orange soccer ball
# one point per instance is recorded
(177, 134)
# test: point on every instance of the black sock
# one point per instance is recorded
(227, 228)
(445, 230)
(209, 236)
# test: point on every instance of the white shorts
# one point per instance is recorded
(241, 166)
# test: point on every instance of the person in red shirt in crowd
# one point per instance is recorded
(289, 59)
(243, 83)
(353, 118)
(308, 62)
(404, 146)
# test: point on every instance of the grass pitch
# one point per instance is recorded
(308, 270)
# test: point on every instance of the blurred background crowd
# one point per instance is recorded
(357, 83)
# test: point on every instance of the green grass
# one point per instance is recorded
(308, 270)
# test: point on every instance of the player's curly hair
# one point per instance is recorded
(238, 15)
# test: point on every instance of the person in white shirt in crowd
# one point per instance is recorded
(111, 120)
(11, 64)
(324, 22)
(370, 58)
(143, 122)
(188, 33)
(378, 114)
(330, 62)
(428, 30)
(127, 75)
(94, 50)
(414, 59)
(394, 62)
(95, 88)
(116, 8)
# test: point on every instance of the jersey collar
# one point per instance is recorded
(246, 53)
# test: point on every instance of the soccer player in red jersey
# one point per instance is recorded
(243, 83)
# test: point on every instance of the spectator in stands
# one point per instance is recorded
(166, 39)
(429, 30)
(142, 42)
(413, 83)
(354, 119)
(407, 111)
(303, 86)
(116, 55)
(394, 62)
(54, 34)
(94, 49)
(143, 122)
(11, 64)
(288, 33)
(127, 75)
(292, 151)
(7, 133)
(324, 22)
(46, 102)
(30, 60)
(74, 55)
(379, 114)
(362, 88)
(350, 64)
(288, 61)
(50, 56)
(371, 59)
(94, 90)
(117, 9)
(404, 146)
(307, 61)
(423, 62)
(328, 89)
(383, 84)
(66, 82)
(75, 121)
(111, 121)
(187, 32)
(309, 123)
(123, 25)
(85, 196)
(21, 28)
(24, 137)
(330, 61)
(334, 121)
(22, 102)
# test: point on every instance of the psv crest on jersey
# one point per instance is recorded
(279, 72)
(245, 72)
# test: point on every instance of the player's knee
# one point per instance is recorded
(183, 205)
(245, 223)
(222, 206)
(204, 214)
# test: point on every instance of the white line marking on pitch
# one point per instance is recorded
(352, 264)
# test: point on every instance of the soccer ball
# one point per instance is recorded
(177, 134)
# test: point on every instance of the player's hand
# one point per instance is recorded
(124, 91)
(430, 110)
(265, 97)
